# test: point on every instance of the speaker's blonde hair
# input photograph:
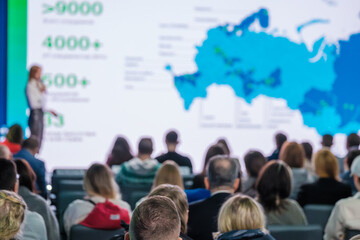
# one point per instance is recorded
(241, 213)
(12, 211)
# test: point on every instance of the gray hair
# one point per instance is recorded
(222, 171)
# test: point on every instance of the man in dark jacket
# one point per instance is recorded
(222, 180)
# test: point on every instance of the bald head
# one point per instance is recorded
(222, 171)
(5, 152)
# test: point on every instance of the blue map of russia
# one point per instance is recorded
(323, 84)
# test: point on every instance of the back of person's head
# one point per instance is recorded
(168, 173)
(7, 175)
(274, 185)
(5, 152)
(171, 137)
(353, 140)
(240, 213)
(12, 213)
(15, 134)
(145, 146)
(327, 140)
(308, 150)
(121, 151)
(280, 138)
(351, 156)
(31, 143)
(26, 174)
(254, 161)
(293, 154)
(222, 171)
(99, 181)
(155, 218)
(223, 143)
(326, 164)
(33, 71)
(214, 150)
(178, 196)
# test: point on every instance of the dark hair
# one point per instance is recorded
(274, 185)
(7, 175)
(155, 218)
(293, 154)
(223, 143)
(351, 157)
(254, 161)
(211, 152)
(222, 171)
(353, 140)
(280, 138)
(15, 134)
(308, 150)
(145, 146)
(31, 143)
(171, 137)
(327, 140)
(121, 152)
(27, 175)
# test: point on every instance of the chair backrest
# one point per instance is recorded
(133, 192)
(70, 186)
(309, 232)
(351, 233)
(318, 214)
(65, 174)
(79, 232)
(65, 198)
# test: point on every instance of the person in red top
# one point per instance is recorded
(14, 138)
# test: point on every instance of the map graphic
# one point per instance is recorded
(323, 84)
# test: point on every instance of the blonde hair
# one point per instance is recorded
(178, 196)
(168, 173)
(240, 213)
(99, 181)
(326, 164)
(12, 211)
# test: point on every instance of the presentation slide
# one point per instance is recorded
(236, 69)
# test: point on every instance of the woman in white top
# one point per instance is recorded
(35, 91)
(99, 185)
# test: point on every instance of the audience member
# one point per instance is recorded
(222, 181)
(241, 218)
(352, 144)
(327, 141)
(346, 213)
(120, 153)
(177, 195)
(172, 141)
(14, 138)
(12, 213)
(327, 189)
(274, 188)
(346, 176)
(280, 139)
(33, 226)
(223, 143)
(155, 218)
(30, 148)
(198, 181)
(100, 187)
(254, 161)
(308, 163)
(293, 155)
(34, 202)
(141, 169)
(5, 152)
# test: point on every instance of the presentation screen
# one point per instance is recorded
(236, 69)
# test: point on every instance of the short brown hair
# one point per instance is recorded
(178, 196)
(240, 213)
(293, 154)
(168, 173)
(27, 174)
(12, 212)
(326, 164)
(155, 218)
(99, 180)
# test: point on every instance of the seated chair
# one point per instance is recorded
(309, 232)
(80, 232)
(318, 214)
